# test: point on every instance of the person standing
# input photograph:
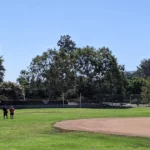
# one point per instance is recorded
(5, 112)
(12, 109)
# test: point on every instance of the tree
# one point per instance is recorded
(135, 85)
(85, 68)
(25, 81)
(110, 75)
(134, 89)
(144, 69)
(131, 74)
(146, 92)
(44, 72)
(99, 72)
(66, 70)
(52, 73)
(66, 44)
(2, 69)
(65, 63)
(73, 70)
(11, 90)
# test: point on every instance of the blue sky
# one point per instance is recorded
(29, 27)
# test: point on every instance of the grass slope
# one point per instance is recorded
(32, 129)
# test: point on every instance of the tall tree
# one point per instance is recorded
(44, 71)
(146, 92)
(111, 78)
(135, 85)
(2, 69)
(85, 67)
(11, 90)
(65, 62)
(143, 69)
(99, 71)
(25, 81)
(69, 69)
(66, 44)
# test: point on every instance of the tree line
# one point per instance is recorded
(73, 70)
(9, 90)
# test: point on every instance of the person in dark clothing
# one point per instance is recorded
(5, 112)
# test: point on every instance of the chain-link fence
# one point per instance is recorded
(80, 101)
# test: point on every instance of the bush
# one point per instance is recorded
(3, 99)
(11, 90)
(70, 94)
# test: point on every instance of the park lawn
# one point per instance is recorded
(32, 129)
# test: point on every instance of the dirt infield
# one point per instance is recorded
(118, 126)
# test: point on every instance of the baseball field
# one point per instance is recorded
(33, 129)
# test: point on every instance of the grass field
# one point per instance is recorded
(32, 129)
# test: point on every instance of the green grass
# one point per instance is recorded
(32, 129)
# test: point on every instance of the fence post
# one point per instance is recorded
(130, 98)
(112, 100)
(80, 99)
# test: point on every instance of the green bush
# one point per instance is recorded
(3, 98)
(70, 94)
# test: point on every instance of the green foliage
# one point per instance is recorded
(135, 85)
(71, 93)
(146, 92)
(90, 71)
(99, 72)
(3, 98)
(144, 69)
(2, 69)
(65, 43)
(11, 90)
